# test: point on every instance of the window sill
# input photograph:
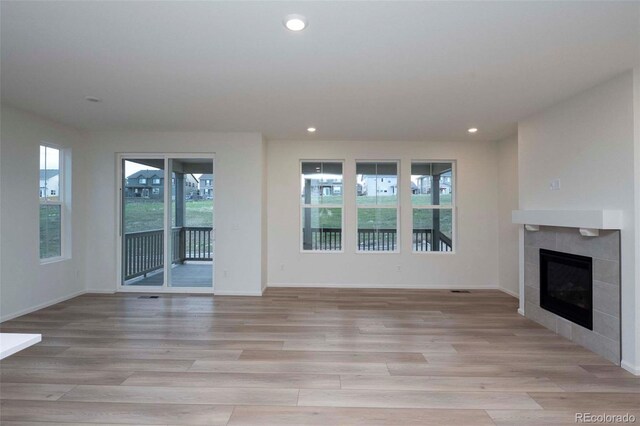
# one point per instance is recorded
(433, 252)
(51, 260)
(377, 252)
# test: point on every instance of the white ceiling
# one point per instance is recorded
(361, 70)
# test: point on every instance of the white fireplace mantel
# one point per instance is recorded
(587, 219)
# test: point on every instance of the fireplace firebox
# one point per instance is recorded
(566, 286)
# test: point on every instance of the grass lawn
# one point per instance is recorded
(147, 215)
(372, 218)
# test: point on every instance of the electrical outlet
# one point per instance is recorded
(399, 268)
(554, 185)
(225, 273)
(282, 267)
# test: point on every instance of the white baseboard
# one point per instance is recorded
(236, 293)
(41, 306)
(630, 368)
(383, 286)
(91, 291)
(509, 292)
(521, 311)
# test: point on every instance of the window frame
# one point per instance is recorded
(398, 205)
(44, 201)
(452, 207)
(302, 206)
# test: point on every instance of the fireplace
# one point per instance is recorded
(566, 286)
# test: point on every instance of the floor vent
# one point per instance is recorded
(148, 297)
(460, 291)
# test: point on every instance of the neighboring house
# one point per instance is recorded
(206, 185)
(145, 184)
(423, 185)
(326, 187)
(150, 184)
(191, 185)
(49, 183)
(379, 185)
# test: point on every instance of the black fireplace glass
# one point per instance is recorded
(566, 286)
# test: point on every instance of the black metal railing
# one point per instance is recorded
(324, 239)
(375, 240)
(144, 251)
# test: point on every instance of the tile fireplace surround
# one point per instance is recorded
(605, 251)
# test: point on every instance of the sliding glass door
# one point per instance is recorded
(143, 222)
(191, 222)
(167, 227)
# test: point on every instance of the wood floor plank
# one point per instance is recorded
(587, 401)
(450, 384)
(90, 342)
(290, 367)
(150, 353)
(35, 391)
(67, 376)
(586, 384)
(96, 364)
(323, 356)
(182, 395)
(549, 358)
(606, 371)
(325, 346)
(237, 380)
(416, 399)
(101, 412)
(546, 417)
(323, 416)
(483, 370)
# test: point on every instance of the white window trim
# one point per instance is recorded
(376, 206)
(452, 207)
(65, 253)
(328, 206)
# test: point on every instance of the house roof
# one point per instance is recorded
(48, 174)
(146, 174)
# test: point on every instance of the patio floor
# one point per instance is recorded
(188, 274)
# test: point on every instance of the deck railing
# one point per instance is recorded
(144, 252)
(375, 239)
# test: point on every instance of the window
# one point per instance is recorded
(156, 181)
(377, 206)
(156, 191)
(433, 203)
(51, 209)
(321, 205)
(142, 181)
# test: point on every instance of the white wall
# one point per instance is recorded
(474, 264)
(634, 315)
(238, 203)
(588, 143)
(508, 243)
(25, 284)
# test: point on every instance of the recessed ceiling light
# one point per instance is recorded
(311, 129)
(92, 99)
(295, 22)
(472, 130)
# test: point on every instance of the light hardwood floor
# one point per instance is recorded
(304, 357)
